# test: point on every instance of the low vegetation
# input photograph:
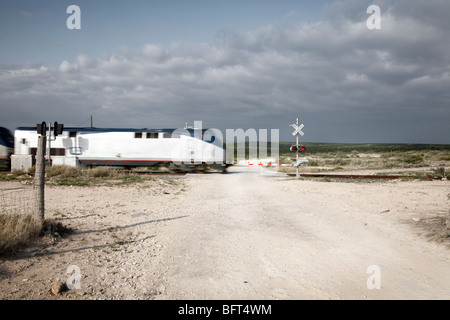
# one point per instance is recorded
(61, 175)
(16, 230)
(429, 159)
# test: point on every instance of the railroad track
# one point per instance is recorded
(153, 173)
(314, 175)
(361, 176)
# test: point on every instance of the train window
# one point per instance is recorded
(24, 141)
(167, 135)
(53, 152)
(57, 152)
(138, 135)
(152, 135)
(73, 134)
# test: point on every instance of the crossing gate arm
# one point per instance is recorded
(298, 163)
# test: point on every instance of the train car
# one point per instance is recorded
(6, 148)
(179, 149)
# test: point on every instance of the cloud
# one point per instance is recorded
(332, 71)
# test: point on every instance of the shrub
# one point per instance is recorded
(99, 172)
(63, 171)
(338, 162)
(312, 163)
(413, 158)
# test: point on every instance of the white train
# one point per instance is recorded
(179, 149)
(6, 148)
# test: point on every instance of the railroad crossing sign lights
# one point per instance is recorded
(41, 129)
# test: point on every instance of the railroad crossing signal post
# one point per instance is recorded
(297, 131)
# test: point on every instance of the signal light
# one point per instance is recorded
(41, 128)
(57, 128)
(297, 148)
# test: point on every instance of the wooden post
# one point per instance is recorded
(39, 178)
(448, 223)
(298, 167)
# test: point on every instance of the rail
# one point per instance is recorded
(365, 176)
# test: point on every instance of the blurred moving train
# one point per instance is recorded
(6, 148)
(184, 150)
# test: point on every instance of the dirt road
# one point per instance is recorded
(242, 235)
(253, 236)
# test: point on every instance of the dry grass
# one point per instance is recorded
(17, 230)
(100, 172)
(435, 228)
(429, 162)
(17, 223)
(75, 176)
(62, 171)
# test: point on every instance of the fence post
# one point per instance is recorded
(448, 223)
(39, 178)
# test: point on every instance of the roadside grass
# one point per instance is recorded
(61, 175)
(75, 176)
(17, 230)
(323, 157)
(338, 157)
(15, 175)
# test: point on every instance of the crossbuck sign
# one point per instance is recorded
(297, 129)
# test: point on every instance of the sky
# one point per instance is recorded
(250, 64)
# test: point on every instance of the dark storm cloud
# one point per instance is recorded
(352, 84)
